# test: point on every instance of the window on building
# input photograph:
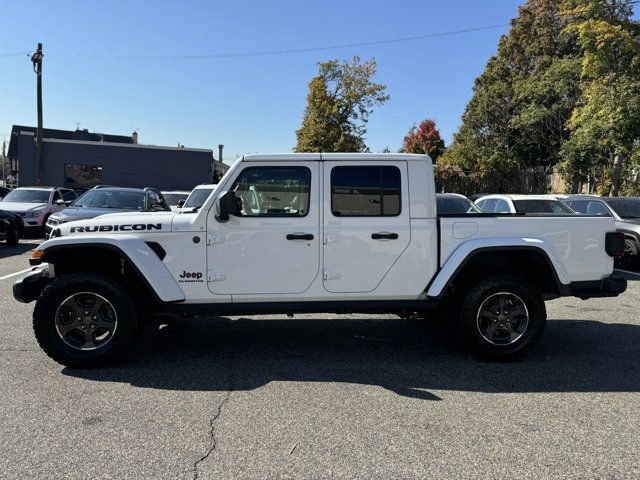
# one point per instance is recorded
(274, 191)
(365, 191)
(82, 177)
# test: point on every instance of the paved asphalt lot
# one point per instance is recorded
(324, 397)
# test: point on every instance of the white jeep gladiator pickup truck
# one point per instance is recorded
(315, 233)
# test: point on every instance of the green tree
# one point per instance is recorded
(522, 101)
(341, 98)
(605, 125)
(425, 138)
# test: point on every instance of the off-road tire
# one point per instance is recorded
(44, 320)
(13, 236)
(469, 327)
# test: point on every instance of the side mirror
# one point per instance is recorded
(68, 203)
(181, 203)
(61, 202)
(227, 205)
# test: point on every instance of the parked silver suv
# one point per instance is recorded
(36, 204)
(624, 210)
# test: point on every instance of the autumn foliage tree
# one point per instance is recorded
(425, 139)
(341, 98)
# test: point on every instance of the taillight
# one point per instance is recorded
(614, 244)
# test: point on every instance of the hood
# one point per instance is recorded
(81, 213)
(148, 222)
(629, 223)
(20, 206)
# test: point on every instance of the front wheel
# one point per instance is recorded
(502, 316)
(85, 320)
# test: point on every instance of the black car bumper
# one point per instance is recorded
(610, 286)
(28, 288)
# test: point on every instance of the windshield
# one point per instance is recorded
(542, 206)
(120, 199)
(455, 205)
(198, 197)
(626, 207)
(174, 198)
(28, 195)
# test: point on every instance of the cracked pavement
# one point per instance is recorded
(321, 396)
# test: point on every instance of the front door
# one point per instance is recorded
(366, 223)
(272, 246)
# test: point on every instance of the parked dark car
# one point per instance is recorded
(102, 200)
(3, 192)
(11, 227)
(454, 204)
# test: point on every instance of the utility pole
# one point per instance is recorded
(214, 174)
(4, 165)
(36, 59)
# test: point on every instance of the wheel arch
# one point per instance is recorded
(484, 261)
(631, 235)
(130, 258)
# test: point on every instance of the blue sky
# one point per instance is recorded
(250, 104)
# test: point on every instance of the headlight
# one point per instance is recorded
(33, 214)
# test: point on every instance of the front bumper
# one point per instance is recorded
(28, 288)
(610, 286)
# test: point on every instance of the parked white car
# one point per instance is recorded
(35, 204)
(523, 204)
(197, 197)
(332, 232)
(175, 198)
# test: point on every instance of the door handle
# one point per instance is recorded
(299, 236)
(384, 236)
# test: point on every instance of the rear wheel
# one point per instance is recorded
(13, 236)
(631, 254)
(85, 320)
(502, 316)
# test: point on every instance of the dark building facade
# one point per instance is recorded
(82, 160)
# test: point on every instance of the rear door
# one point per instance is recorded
(273, 245)
(366, 223)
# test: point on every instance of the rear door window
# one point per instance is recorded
(367, 191)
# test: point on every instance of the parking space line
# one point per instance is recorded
(628, 272)
(15, 274)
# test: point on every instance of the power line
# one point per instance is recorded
(200, 56)
(282, 52)
(15, 54)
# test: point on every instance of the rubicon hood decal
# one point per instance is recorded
(125, 227)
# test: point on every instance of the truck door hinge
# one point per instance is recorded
(214, 238)
(330, 239)
(215, 275)
(328, 275)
